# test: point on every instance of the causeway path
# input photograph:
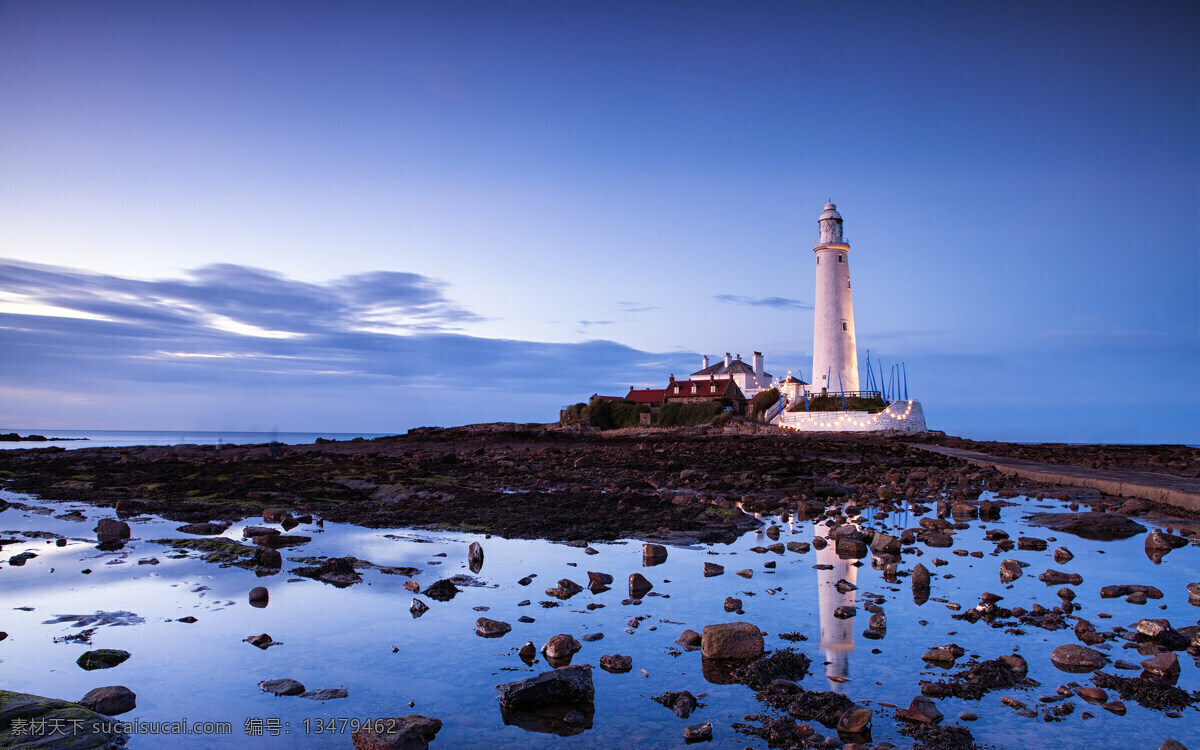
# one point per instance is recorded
(1166, 489)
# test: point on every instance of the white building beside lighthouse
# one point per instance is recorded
(835, 356)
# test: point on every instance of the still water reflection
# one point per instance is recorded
(364, 640)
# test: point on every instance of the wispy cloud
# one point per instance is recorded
(585, 325)
(779, 303)
(634, 307)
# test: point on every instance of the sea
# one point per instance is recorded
(72, 439)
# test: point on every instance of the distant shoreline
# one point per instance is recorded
(12, 437)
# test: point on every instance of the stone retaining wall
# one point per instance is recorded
(899, 416)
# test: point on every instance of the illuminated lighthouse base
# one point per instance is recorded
(899, 416)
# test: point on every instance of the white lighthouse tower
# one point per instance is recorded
(835, 358)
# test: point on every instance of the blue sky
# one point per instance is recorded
(372, 216)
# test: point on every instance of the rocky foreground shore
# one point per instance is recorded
(545, 482)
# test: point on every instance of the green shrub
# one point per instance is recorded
(762, 402)
(575, 413)
(612, 415)
(676, 414)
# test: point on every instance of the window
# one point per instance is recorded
(847, 283)
(840, 259)
(818, 260)
(844, 327)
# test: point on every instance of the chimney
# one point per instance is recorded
(759, 375)
(672, 377)
(727, 360)
(739, 358)
(704, 362)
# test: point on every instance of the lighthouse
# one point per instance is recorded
(835, 358)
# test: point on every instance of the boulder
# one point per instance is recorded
(417, 608)
(885, 544)
(1057, 578)
(89, 729)
(274, 515)
(599, 579)
(855, 720)
(922, 710)
(442, 591)
(102, 658)
(475, 557)
(111, 530)
(1159, 540)
(616, 663)
(689, 639)
(266, 557)
(282, 686)
(682, 703)
(732, 605)
(1071, 657)
(561, 646)
(263, 641)
(639, 586)
(698, 732)
(259, 596)
(111, 700)
(1062, 555)
(731, 640)
(566, 685)
(565, 589)
(1164, 666)
(411, 732)
(712, 569)
(920, 577)
(1010, 570)
(848, 548)
(486, 628)
(653, 554)
(251, 532)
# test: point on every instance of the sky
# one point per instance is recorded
(372, 216)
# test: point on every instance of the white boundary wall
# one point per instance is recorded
(899, 416)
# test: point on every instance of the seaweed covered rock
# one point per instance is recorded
(783, 663)
(86, 728)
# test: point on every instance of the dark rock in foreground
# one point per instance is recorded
(84, 727)
(411, 732)
(111, 700)
(566, 685)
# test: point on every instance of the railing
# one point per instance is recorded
(773, 410)
(847, 394)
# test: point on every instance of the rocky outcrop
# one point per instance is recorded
(27, 708)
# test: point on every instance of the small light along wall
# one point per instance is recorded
(904, 416)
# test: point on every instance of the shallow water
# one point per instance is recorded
(363, 638)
